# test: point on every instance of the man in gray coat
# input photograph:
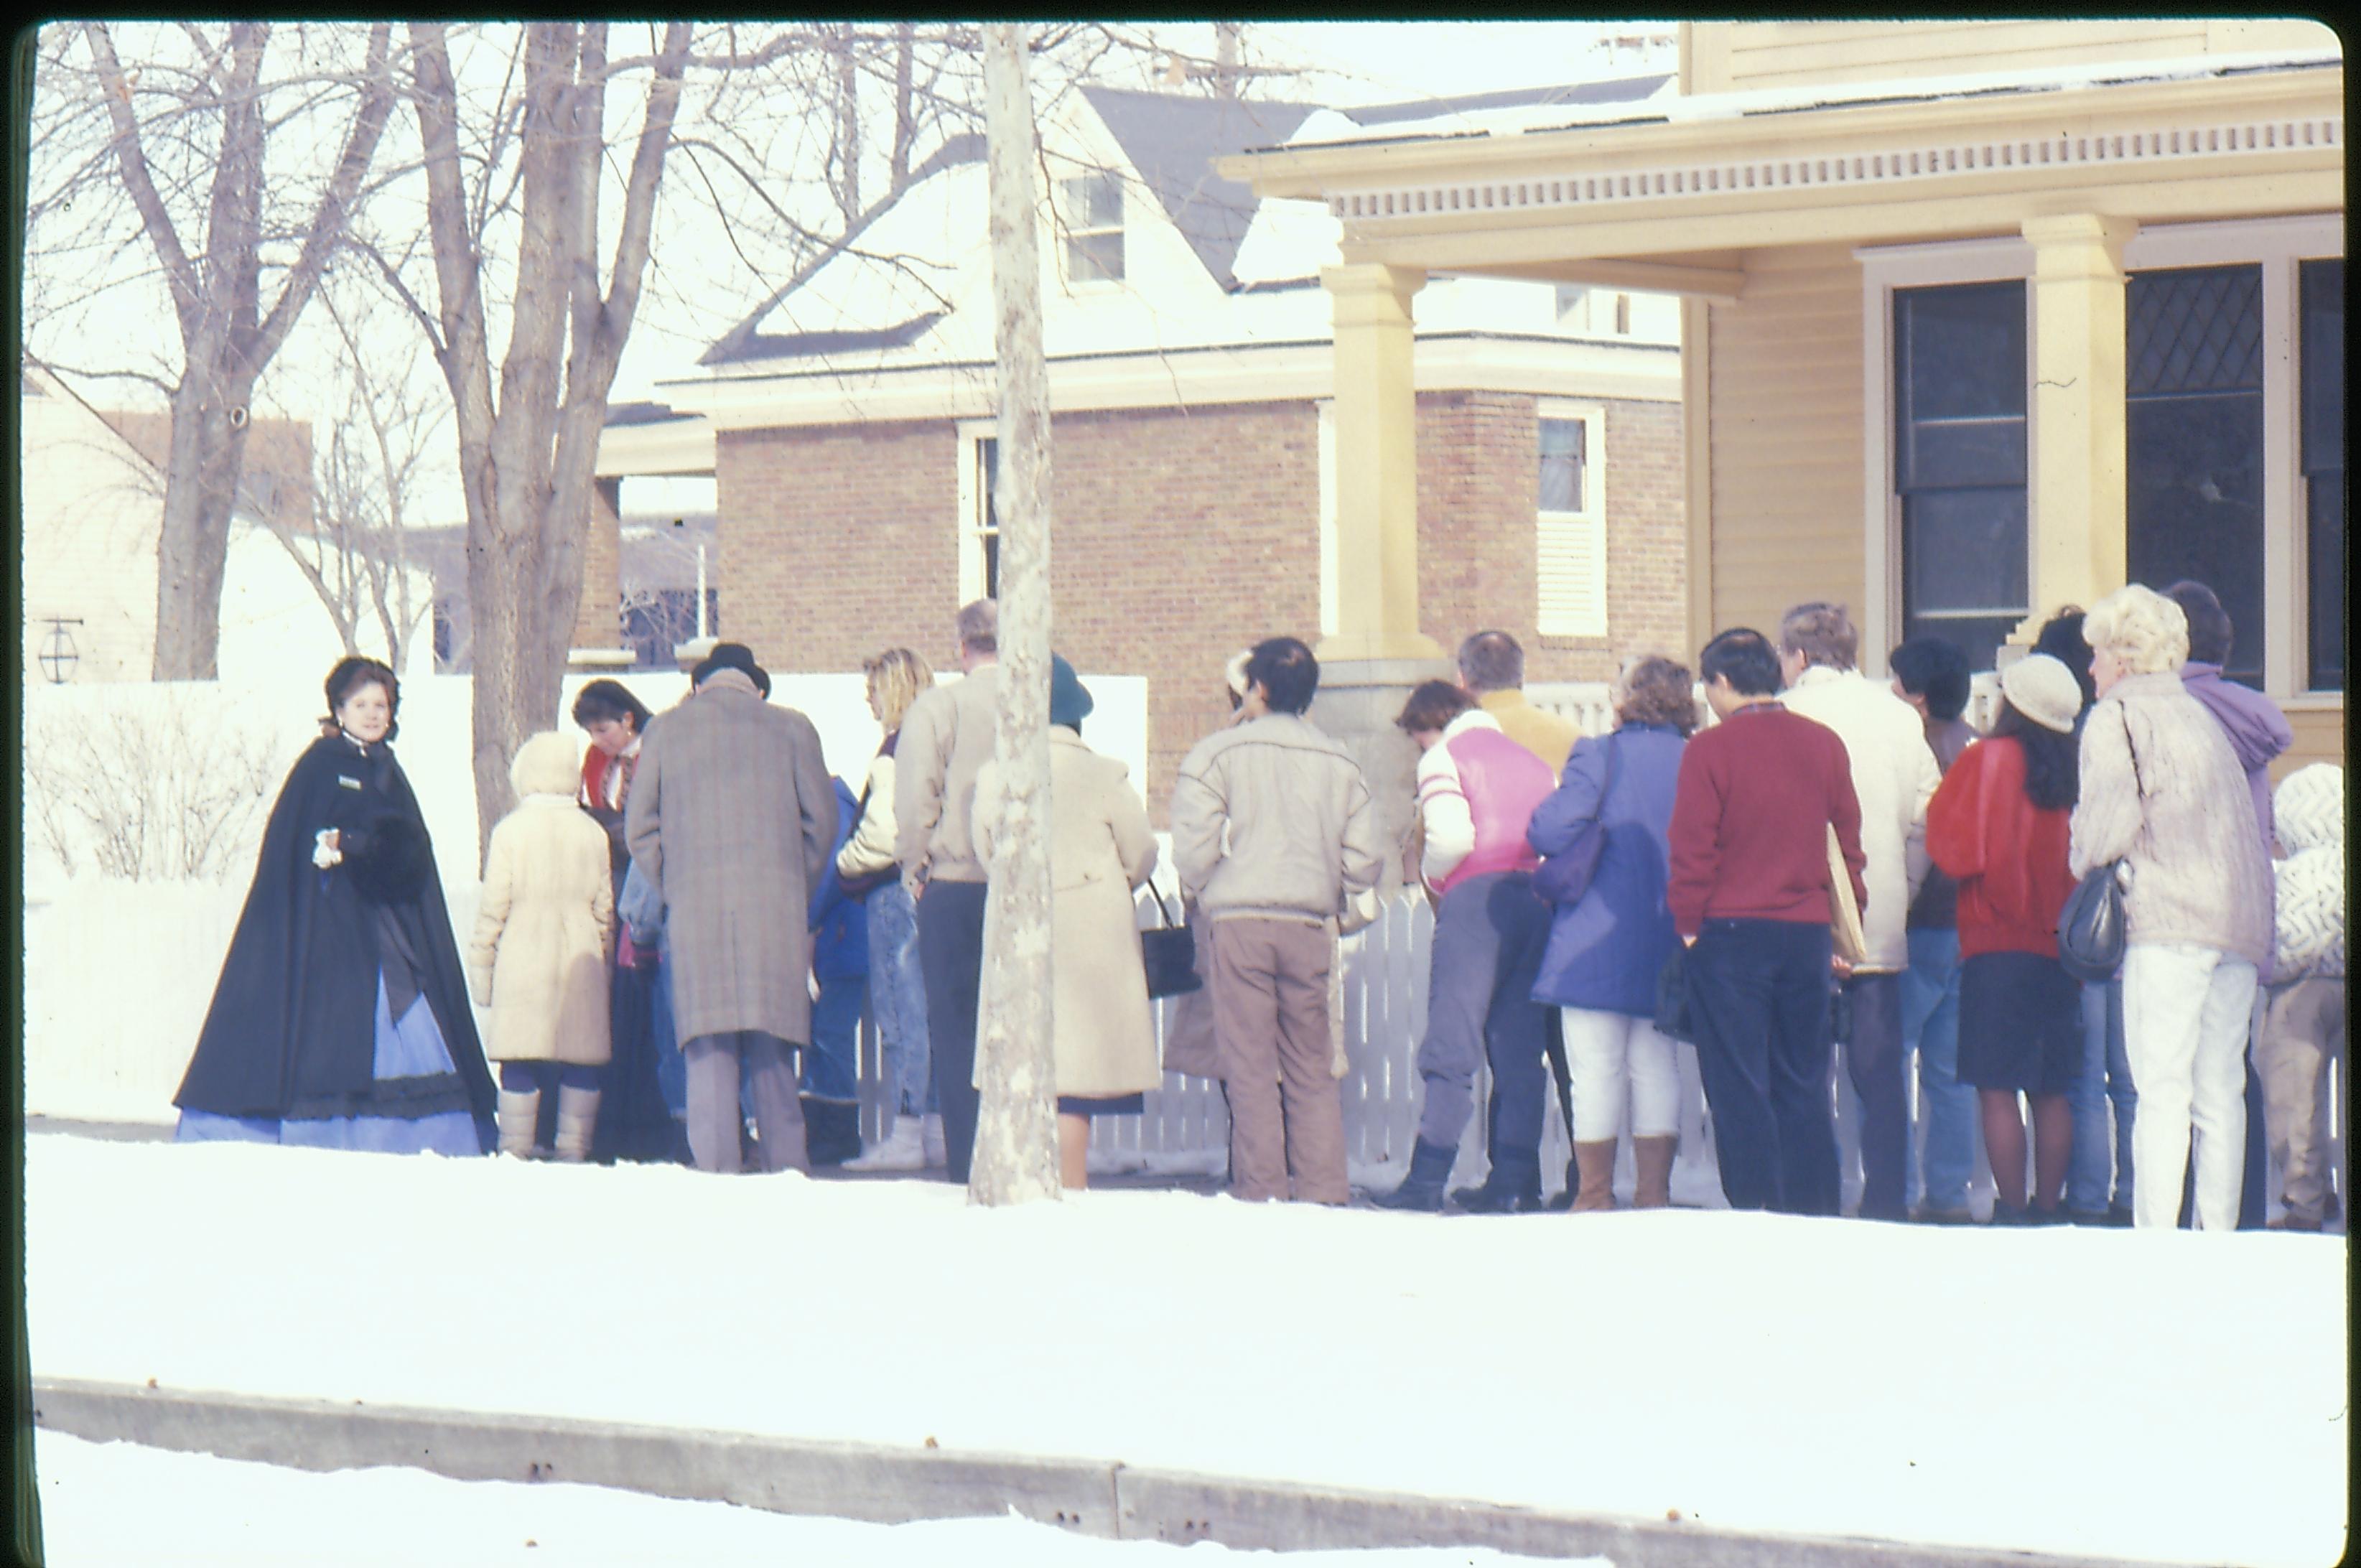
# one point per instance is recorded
(946, 738)
(732, 820)
(1272, 834)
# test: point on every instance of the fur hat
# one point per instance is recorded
(2045, 691)
(1069, 700)
(730, 657)
(546, 763)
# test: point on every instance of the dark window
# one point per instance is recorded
(2193, 441)
(657, 620)
(987, 469)
(1564, 452)
(1960, 463)
(2320, 369)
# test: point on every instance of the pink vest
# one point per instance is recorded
(1503, 783)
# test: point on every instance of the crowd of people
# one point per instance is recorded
(678, 930)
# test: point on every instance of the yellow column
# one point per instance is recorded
(1377, 466)
(2077, 434)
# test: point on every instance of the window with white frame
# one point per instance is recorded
(1570, 520)
(1093, 217)
(2233, 424)
(978, 513)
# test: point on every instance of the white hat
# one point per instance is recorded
(2045, 691)
(1235, 673)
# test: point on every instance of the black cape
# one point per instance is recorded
(291, 1031)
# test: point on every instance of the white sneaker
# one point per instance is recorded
(931, 1136)
(902, 1149)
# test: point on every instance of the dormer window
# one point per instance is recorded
(1095, 229)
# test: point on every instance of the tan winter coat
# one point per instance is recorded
(539, 956)
(947, 737)
(1101, 848)
(1272, 818)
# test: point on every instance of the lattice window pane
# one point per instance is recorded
(2194, 330)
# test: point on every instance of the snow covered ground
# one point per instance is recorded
(2170, 1396)
(197, 1511)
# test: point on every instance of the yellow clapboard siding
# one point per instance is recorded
(1785, 402)
(2318, 738)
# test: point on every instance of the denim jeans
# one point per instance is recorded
(1930, 1025)
(2106, 1078)
(897, 999)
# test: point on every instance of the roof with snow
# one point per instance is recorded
(1173, 141)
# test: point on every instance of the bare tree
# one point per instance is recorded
(213, 134)
(352, 549)
(1016, 1141)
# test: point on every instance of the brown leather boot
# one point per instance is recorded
(1596, 1161)
(1653, 1157)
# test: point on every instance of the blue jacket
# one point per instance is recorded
(1606, 950)
(839, 925)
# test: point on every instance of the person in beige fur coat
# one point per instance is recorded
(538, 958)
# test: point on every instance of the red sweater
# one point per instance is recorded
(2009, 857)
(1751, 817)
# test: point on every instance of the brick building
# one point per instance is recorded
(848, 425)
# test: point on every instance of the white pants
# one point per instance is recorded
(2186, 1011)
(1609, 1053)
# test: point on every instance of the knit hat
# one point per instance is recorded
(1069, 700)
(2308, 808)
(2045, 691)
(731, 657)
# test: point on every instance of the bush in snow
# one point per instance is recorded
(149, 792)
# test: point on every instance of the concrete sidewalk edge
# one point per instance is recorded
(891, 1486)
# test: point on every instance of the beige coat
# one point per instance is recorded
(538, 958)
(1101, 848)
(946, 740)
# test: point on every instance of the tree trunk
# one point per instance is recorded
(1225, 57)
(193, 542)
(847, 121)
(906, 122)
(1016, 1134)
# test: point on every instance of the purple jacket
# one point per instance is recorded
(2257, 730)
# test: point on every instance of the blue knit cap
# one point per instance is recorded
(1069, 700)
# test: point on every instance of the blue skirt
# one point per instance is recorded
(408, 1049)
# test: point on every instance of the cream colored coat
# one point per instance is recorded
(539, 956)
(1101, 848)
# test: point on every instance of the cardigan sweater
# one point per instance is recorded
(2008, 855)
(1757, 794)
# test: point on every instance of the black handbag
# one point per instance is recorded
(1672, 1020)
(1168, 954)
(1565, 878)
(2091, 930)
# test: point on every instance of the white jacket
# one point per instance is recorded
(870, 848)
(2309, 809)
(1895, 774)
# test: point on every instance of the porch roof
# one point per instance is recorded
(1666, 192)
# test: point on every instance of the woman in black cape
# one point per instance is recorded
(341, 1019)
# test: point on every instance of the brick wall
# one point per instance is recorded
(1180, 538)
(598, 623)
(1477, 493)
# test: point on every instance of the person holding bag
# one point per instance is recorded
(1101, 848)
(1998, 826)
(1611, 933)
(2162, 792)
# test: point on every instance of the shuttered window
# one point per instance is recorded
(1570, 522)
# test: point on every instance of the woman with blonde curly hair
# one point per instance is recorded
(2162, 794)
(897, 994)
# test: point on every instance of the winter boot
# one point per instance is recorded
(931, 1141)
(903, 1149)
(520, 1112)
(1652, 1155)
(1598, 1162)
(1430, 1167)
(1513, 1185)
(577, 1113)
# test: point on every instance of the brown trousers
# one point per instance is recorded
(2303, 1028)
(1269, 984)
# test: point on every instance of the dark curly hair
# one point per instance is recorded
(349, 675)
(1657, 690)
(2052, 758)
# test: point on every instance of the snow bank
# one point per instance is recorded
(196, 1510)
(2177, 1396)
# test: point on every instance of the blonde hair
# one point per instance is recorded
(2147, 632)
(897, 676)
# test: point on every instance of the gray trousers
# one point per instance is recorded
(714, 1123)
(1488, 940)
